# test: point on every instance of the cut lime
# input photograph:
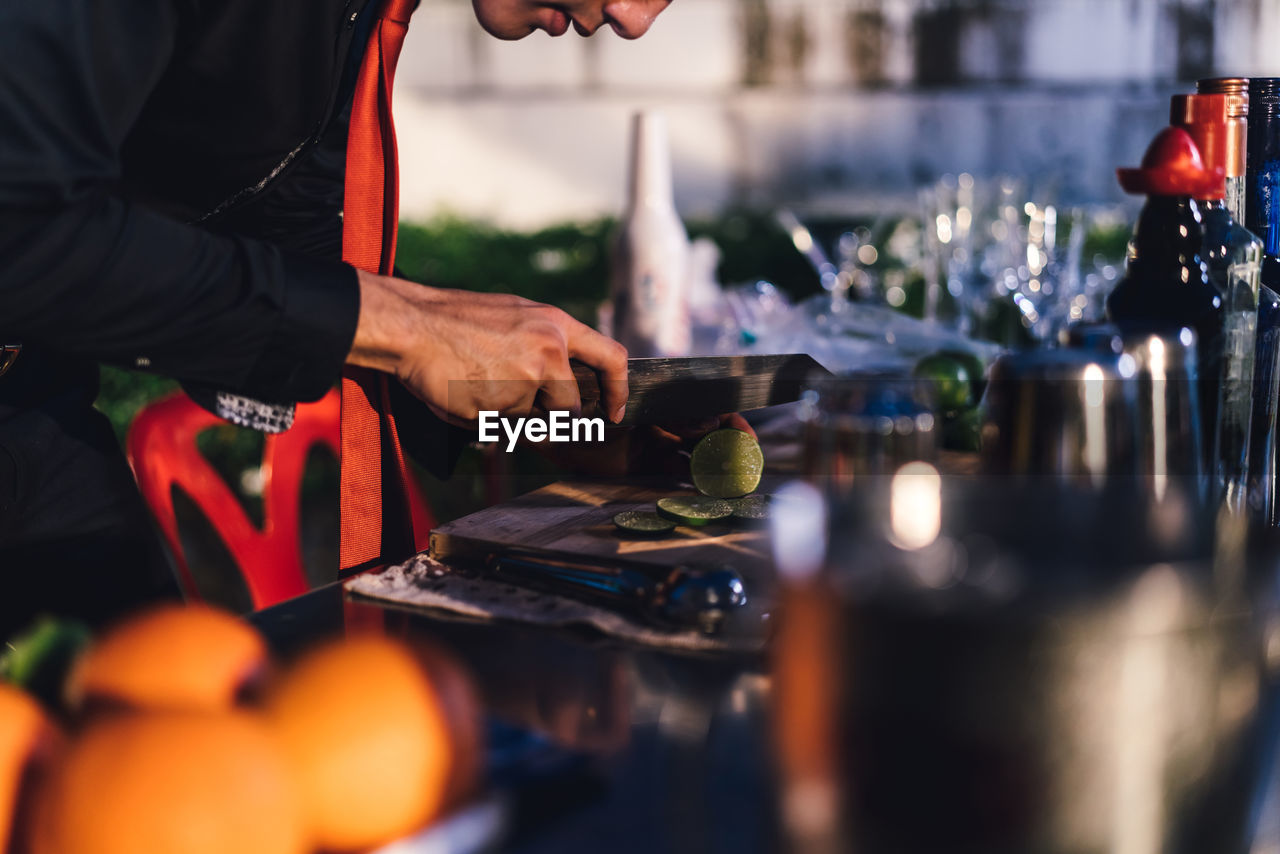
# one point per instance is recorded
(694, 511)
(751, 508)
(726, 463)
(643, 522)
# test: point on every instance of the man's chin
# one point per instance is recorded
(508, 32)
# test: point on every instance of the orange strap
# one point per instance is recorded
(372, 530)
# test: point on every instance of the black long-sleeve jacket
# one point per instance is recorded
(171, 186)
(171, 182)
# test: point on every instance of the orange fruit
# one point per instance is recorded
(369, 741)
(170, 657)
(28, 742)
(171, 783)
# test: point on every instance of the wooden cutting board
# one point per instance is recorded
(573, 518)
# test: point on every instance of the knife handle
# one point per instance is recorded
(612, 585)
(686, 598)
(588, 382)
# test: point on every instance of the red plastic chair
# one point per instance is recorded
(161, 447)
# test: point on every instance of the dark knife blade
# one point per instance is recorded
(668, 391)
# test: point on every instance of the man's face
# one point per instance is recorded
(515, 19)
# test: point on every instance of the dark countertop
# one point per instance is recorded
(599, 747)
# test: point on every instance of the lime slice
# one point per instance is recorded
(751, 508)
(694, 511)
(726, 463)
(643, 522)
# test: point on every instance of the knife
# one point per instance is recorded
(687, 597)
(672, 390)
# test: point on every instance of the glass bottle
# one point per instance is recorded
(1166, 284)
(1236, 90)
(650, 263)
(1233, 258)
(1262, 217)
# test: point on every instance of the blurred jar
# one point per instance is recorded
(976, 666)
(863, 425)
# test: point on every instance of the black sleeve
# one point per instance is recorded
(433, 444)
(87, 272)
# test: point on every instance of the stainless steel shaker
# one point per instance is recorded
(1116, 406)
(1062, 414)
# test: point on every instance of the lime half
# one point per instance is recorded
(726, 464)
(694, 510)
(643, 522)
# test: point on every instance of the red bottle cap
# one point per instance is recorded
(1172, 166)
(1205, 117)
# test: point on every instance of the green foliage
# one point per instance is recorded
(122, 393)
(39, 657)
(1111, 242)
(753, 247)
(564, 265)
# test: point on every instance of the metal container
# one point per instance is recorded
(1098, 336)
(1114, 407)
(1061, 414)
(1169, 434)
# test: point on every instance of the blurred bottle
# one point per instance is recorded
(650, 263)
(1262, 217)
(1166, 284)
(808, 662)
(1233, 257)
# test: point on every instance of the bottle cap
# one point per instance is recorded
(1172, 166)
(1235, 88)
(1205, 117)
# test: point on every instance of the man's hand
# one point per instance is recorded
(462, 352)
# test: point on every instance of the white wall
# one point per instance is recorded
(535, 131)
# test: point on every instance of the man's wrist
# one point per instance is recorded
(387, 312)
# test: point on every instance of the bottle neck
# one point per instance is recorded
(1262, 177)
(1237, 146)
(1166, 243)
(649, 183)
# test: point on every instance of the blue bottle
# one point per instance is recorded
(1262, 217)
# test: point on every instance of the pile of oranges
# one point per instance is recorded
(183, 738)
